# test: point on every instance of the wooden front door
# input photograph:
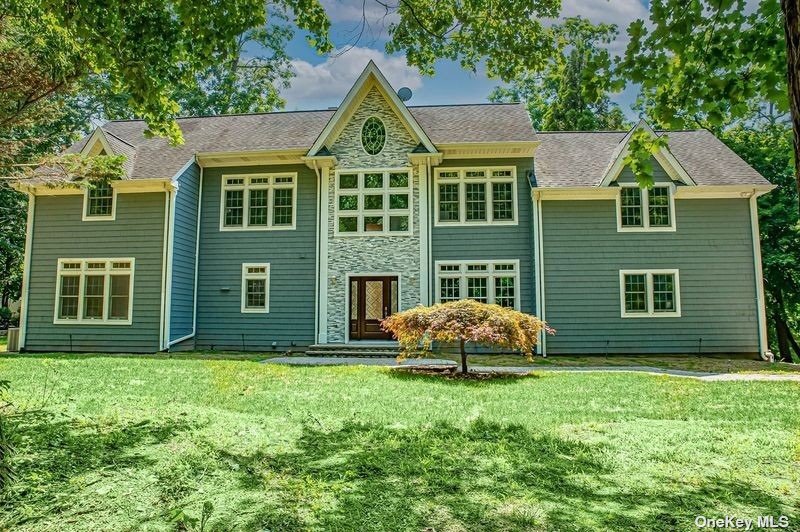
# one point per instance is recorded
(371, 300)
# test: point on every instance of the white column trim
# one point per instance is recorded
(322, 337)
(538, 238)
(763, 345)
(424, 258)
(26, 273)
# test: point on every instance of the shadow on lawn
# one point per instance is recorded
(54, 459)
(487, 476)
(456, 378)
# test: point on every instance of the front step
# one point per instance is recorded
(353, 350)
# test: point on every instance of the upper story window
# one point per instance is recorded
(376, 202)
(486, 282)
(373, 135)
(649, 293)
(476, 196)
(96, 291)
(98, 202)
(258, 202)
(255, 288)
(646, 209)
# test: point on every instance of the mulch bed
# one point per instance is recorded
(454, 373)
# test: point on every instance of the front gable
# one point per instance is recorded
(664, 163)
(371, 95)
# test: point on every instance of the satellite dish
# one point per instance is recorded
(405, 94)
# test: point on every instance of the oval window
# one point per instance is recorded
(373, 135)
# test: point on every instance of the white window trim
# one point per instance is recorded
(83, 272)
(650, 303)
(246, 201)
(645, 228)
(461, 180)
(490, 273)
(245, 277)
(361, 136)
(108, 218)
(361, 192)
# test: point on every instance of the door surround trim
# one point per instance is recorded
(346, 313)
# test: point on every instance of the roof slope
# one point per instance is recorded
(155, 158)
(579, 159)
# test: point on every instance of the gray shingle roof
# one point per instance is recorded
(155, 158)
(579, 159)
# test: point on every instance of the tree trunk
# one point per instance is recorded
(791, 26)
(782, 333)
(463, 358)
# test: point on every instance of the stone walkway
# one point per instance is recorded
(524, 370)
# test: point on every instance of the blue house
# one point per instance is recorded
(281, 231)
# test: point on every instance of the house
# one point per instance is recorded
(290, 229)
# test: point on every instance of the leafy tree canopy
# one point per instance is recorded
(145, 49)
(572, 92)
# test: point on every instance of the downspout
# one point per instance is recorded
(540, 270)
(197, 252)
(26, 272)
(763, 346)
(165, 271)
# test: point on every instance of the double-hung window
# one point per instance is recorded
(99, 202)
(641, 209)
(97, 291)
(484, 281)
(649, 293)
(476, 196)
(373, 202)
(259, 201)
(255, 288)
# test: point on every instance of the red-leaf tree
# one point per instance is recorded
(463, 322)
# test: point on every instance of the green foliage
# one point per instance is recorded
(510, 36)
(641, 148)
(768, 148)
(13, 208)
(145, 49)
(77, 169)
(706, 61)
(571, 93)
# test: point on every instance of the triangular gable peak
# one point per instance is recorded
(663, 157)
(371, 78)
(97, 144)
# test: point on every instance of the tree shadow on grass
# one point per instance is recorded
(485, 476)
(52, 455)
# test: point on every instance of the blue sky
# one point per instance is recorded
(322, 81)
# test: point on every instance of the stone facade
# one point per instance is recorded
(385, 254)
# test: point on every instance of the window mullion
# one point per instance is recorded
(81, 287)
(106, 293)
(645, 208)
(270, 204)
(650, 294)
(462, 199)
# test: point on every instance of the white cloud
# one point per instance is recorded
(326, 84)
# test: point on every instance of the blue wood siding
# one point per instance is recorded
(184, 254)
(490, 242)
(58, 232)
(712, 248)
(292, 258)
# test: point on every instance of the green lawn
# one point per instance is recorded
(142, 443)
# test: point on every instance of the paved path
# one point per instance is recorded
(524, 370)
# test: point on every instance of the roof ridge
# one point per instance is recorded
(117, 137)
(327, 110)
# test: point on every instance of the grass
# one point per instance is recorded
(3, 343)
(113, 443)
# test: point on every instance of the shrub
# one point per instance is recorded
(463, 322)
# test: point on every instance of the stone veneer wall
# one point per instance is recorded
(371, 254)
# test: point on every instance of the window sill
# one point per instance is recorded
(242, 229)
(255, 311)
(670, 229)
(475, 224)
(653, 315)
(93, 322)
(98, 218)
